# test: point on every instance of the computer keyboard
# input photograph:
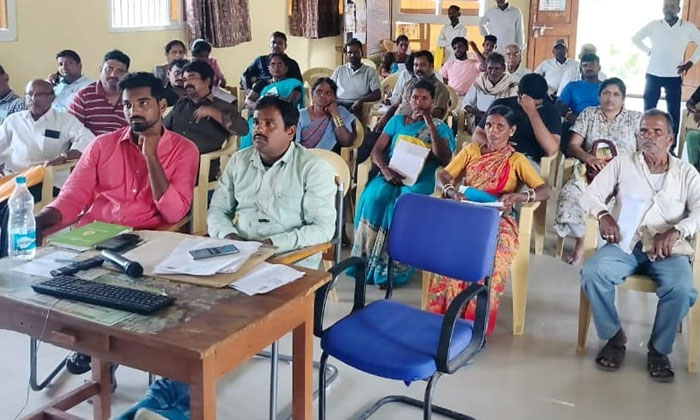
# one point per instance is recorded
(101, 294)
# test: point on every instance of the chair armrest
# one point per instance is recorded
(297, 255)
(322, 294)
(454, 311)
(362, 179)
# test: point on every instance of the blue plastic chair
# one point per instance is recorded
(393, 340)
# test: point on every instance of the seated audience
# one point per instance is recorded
(325, 124)
(40, 135)
(9, 101)
(489, 45)
(404, 76)
(174, 50)
(379, 197)
(141, 176)
(259, 69)
(280, 85)
(460, 71)
(692, 137)
(579, 95)
(175, 87)
(201, 50)
(494, 84)
(514, 57)
(245, 209)
(357, 82)
(538, 124)
(665, 191)
(98, 106)
(553, 69)
(616, 128)
(395, 61)
(67, 80)
(576, 74)
(496, 170)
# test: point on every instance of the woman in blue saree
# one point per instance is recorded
(286, 88)
(376, 206)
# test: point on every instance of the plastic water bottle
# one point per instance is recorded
(22, 226)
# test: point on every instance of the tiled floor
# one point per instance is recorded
(535, 376)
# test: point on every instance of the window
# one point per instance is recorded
(8, 21)
(140, 15)
(439, 7)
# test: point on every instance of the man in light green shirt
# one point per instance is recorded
(276, 192)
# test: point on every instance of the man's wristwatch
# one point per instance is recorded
(63, 156)
(602, 214)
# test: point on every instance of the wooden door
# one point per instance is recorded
(691, 13)
(549, 21)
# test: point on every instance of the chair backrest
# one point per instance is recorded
(342, 172)
(369, 63)
(453, 103)
(310, 76)
(453, 239)
(388, 84)
(359, 139)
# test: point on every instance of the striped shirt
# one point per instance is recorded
(9, 104)
(91, 107)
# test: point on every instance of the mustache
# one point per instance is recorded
(188, 86)
(259, 136)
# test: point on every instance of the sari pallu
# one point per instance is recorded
(376, 206)
(284, 89)
(489, 173)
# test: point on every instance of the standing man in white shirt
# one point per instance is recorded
(669, 38)
(553, 69)
(68, 79)
(451, 31)
(504, 21)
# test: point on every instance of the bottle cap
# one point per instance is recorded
(21, 180)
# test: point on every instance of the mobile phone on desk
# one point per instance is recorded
(216, 251)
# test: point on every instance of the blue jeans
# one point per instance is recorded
(170, 399)
(610, 266)
(672, 87)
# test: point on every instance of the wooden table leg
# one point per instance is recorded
(203, 391)
(302, 365)
(102, 402)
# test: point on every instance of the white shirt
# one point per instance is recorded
(574, 75)
(520, 72)
(675, 205)
(447, 34)
(506, 25)
(65, 92)
(404, 77)
(354, 84)
(668, 44)
(552, 70)
(478, 99)
(25, 142)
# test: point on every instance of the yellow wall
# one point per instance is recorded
(45, 27)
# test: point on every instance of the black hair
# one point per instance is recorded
(201, 45)
(460, 40)
(203, 68)
(409, 62)
(290, 113)
(69, 54)
(590, 58)
(179, 62)
(533, 85)
(143, 79)
(655, 112)
(496, 58)
(424, 84)
(2, 70)
(280, 56)
(491, 38)
(503, 111)
(401, 38)
(328, 81)
(353, 42)
(278, 34)
(119, 56)
(427, 54)
(169, 46)
(613, 81)
(454, 6)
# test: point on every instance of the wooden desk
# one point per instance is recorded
(203, 336)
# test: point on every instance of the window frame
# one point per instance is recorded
(10, 33)
(437, 17)
(174, 25)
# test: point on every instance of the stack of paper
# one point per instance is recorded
(409, 157)
(181, 262)
(265, 278)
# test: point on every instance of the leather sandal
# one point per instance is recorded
(610, 357)
(659, 367)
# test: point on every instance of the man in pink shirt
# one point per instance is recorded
(460, 71)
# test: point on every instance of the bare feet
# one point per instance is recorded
(576, 256)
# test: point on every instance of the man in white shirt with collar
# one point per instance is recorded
(41, 134)
(554, 68)
(660, 198)
(669, 39)
(451, 31)
(68, 79)
(504, 21)
(357, 82)
(514, 62)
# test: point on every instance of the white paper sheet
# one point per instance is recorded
(42, 266)
(631, 214)
(266, 278)
(181, 262)
(493, 204)
(408, 159)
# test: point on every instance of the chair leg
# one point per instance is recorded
(428, 399)
(540, 220)
(322, 387)
(560, 246)
(693, 338)
(33, 382)
(274, 379)
(520, 272)
(425, 285)
(584, 320)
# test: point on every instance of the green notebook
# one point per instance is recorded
(86, 237)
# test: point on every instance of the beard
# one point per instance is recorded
(140, 126)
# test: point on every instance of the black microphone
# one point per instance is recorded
(131, 268)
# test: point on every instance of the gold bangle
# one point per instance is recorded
(338, 121)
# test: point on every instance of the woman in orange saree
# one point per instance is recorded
(489, 172)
